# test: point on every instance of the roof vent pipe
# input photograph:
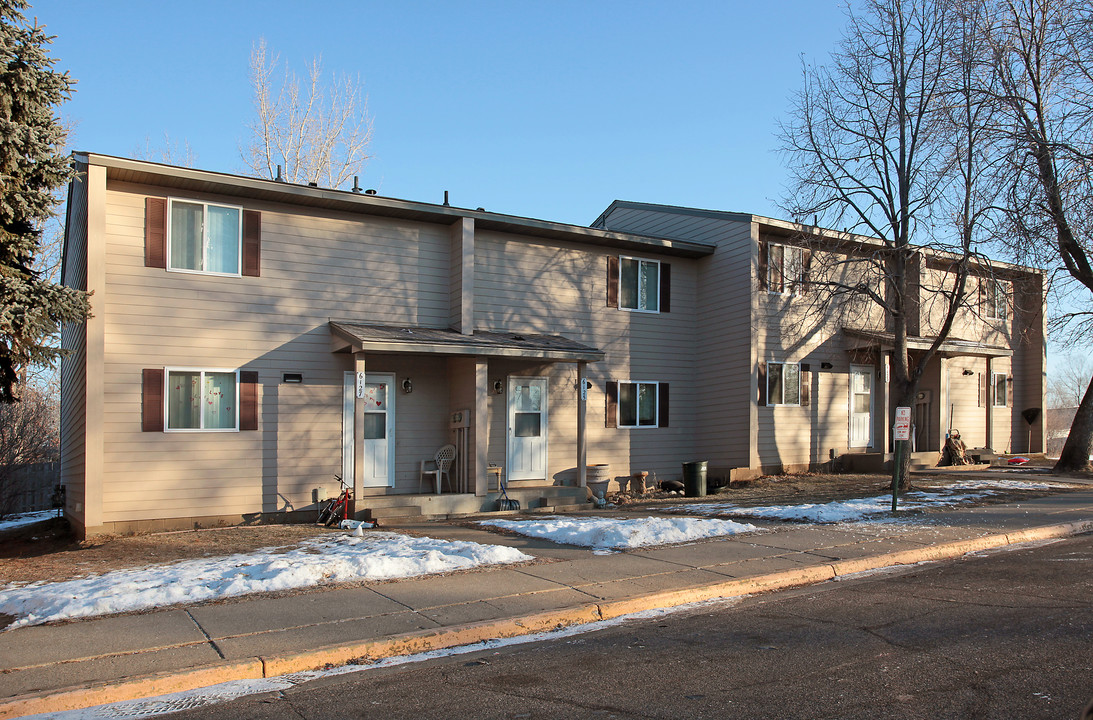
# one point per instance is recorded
(445, 198)
(369, 191)
(356, 184)
(279, 178)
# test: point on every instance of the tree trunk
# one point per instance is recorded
(1079, 443)
(906, 399)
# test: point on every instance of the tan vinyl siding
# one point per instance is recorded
(315, 267)
(525, 285)
(723, 353)
(74, 365)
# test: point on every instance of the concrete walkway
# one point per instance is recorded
(90, 662)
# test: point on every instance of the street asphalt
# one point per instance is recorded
(90, 662)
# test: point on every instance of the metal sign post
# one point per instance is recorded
(901, 433)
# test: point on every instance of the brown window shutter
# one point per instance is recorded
(252, 243)
(806, 384)
(611, 418)
(155, 232)
(763, 262)
(665, 287)
(662, 405)
(612, 281)
(762, 383)
(151, 400)
(248, 400)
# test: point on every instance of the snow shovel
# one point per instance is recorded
(505, 502)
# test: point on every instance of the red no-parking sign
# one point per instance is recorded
(902, 427)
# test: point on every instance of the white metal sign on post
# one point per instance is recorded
(902, 428)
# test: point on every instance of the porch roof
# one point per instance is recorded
(953, 347)
(358, 337)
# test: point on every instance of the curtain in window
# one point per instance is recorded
(792, 381)
(222, 250)
(647, 404)
(219, 401)
(184, 400)
(649, 286)
(186, 235)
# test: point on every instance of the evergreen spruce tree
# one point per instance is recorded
(32, 167)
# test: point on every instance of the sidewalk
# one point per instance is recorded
(51, 668)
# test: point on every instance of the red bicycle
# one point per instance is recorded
(337, 508)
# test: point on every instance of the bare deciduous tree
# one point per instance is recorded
(882, 143)
(28, 435)
(1042, 59)
(316, 132)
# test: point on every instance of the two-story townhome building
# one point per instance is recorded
(810, 373)
(251, 339)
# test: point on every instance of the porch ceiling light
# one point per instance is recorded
(967, 372)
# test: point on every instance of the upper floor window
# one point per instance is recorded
(996, 298)
(639, 284)
(785, 272)
(204, 237)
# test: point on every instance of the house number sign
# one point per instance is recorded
(360, 385)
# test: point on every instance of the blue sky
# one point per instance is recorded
(543, 109)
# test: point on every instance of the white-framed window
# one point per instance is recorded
(201, 400)
(1001, 390)
(783, 383)
(785, 269)
(639, 284)
(996, 297)
(638, 404)
(204, 237)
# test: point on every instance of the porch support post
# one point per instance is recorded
(882, 424)
(988, 397)
(582, 407)
(358, 425)
(481, 435)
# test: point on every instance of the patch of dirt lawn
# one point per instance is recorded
(47, 551)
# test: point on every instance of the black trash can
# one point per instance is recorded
(694, 478)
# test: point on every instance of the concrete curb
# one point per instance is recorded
(440, 638)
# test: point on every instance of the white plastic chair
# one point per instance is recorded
(443, 460)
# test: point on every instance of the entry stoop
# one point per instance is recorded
(882, 462)
(397, 509)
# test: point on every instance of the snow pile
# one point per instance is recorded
(14, 521)
(617, 534)
(859, 508)
(339, 558)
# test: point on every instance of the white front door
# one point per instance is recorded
(861, 405)
(527, 428)
(379, 429)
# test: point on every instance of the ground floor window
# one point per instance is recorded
(1001, 398)
(202, 399)
(783, 383)
(638, 404)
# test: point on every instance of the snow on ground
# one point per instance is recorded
(335, 558)
(14, 521)
(860, 508)
(620, 533)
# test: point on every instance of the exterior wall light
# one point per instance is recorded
(407, 386)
